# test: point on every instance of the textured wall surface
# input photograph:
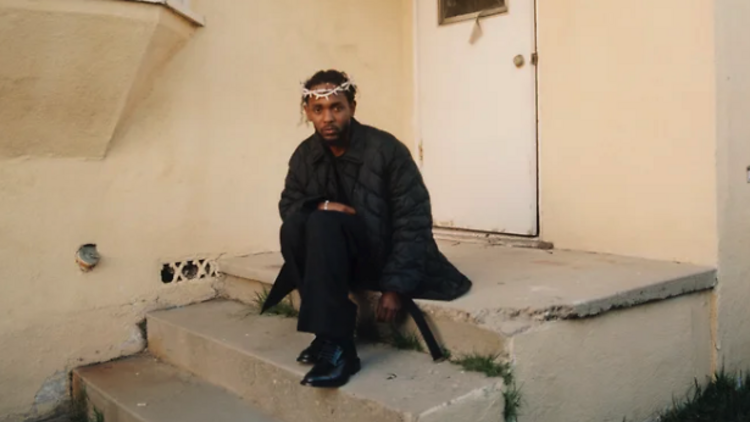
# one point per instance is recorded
(627, 127)
(733, 151)
(194, 170)
(71, 69)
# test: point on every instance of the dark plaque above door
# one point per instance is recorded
(458, 10)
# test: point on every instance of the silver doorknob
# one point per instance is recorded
(519, 61)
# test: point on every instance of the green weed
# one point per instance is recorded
(512, 396)
(405, 341)
(725, 399)
(284, 308)
(486, 364)
(79, 411)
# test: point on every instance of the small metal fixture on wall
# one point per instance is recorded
(87, 257)
(450, 11)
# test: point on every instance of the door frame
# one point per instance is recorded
(417, 124)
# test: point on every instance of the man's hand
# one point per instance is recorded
(335, 206)
(388, 307)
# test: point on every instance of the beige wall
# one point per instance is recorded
(644, 139)
(195, 171)
(627, 127)
(54, 100)
(733, 151)
(631, 107)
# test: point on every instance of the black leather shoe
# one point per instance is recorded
(309, 356)
(337, 361)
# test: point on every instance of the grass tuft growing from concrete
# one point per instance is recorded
(512, 396)
(284, 308)
(725, 399)
(405, 341)
(79, 409)
(486, 364)
(369, 332)
(447, 355)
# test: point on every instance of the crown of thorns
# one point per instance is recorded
(327, 92)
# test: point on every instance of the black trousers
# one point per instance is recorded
(328, 251)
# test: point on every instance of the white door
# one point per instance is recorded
(476, 111)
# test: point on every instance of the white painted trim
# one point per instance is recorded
(494, 239)
(415, 80)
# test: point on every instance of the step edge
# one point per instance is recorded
(700, 278)
(230, 266)
(696, 282)
(439, 314)
(219, 341)
(498, 387)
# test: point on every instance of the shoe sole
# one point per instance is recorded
(356, 367)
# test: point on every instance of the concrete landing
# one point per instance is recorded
(549, 284)
(142, 389)
(253, 356)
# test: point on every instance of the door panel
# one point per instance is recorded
(477, 118)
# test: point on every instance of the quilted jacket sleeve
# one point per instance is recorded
(293, 197)
(411, 218)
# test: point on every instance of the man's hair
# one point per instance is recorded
(335, 78)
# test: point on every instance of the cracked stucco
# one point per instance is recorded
(60, 344)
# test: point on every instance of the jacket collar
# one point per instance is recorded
(356, 150)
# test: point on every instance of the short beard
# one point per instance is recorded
(341, 141)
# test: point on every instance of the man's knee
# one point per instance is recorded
(323, 221)
(293, 228)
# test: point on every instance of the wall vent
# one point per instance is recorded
(174, 272)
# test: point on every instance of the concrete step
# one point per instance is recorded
(142, 389)
(590, 337)
(245, 278)
(229, 345)
(514, 290)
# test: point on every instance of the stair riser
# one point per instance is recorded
(627, 364)
(460, 338)
(271, 389)
(110, 409)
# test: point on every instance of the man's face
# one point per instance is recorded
(331, 116)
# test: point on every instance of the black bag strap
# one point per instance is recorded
(435, 350)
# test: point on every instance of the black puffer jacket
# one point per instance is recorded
(388, 192)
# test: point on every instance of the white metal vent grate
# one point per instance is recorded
(175, 272)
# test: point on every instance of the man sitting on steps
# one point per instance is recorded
(356, 215)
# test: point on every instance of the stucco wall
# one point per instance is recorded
(195, 171)
(54, 100)
(627, 127)
(733, 151)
